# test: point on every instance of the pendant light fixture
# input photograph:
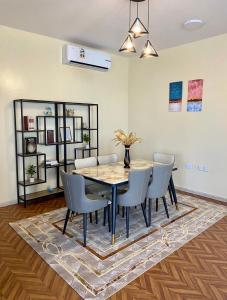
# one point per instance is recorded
(138, 29)
(128, 45)
(148, 50)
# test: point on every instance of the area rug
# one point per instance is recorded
(100, 270)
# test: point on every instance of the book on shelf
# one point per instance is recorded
(50, 136)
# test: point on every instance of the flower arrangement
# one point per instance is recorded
(126, 139)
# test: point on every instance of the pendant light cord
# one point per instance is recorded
(137, 9)
(148, 17)
(130, 12)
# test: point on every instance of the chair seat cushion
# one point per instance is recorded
(98, 189)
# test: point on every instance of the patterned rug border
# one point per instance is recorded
(132, 242)
(89, 293)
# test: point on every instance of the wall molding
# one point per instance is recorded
(201, 194)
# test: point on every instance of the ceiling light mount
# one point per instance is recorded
(193, 24)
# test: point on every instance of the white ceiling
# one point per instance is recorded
(104, 23)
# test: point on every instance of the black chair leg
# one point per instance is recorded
(90, 217)
(149, 212)
(170, 194)
(109, 219)
(96, 217)
(104, 216)
(66, 221)
(165, 204)
(85, 229)
(156, 204)
(145, 203)
(127, 221)
(118, 209)
(144, 213)
(173, 191)
(123, 211)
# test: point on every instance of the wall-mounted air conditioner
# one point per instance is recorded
(86, 58)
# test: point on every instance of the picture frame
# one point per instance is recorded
(68, 134)
(50, 136)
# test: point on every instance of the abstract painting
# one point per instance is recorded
(195, 95)
(175, 96)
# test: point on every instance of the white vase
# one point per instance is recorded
(87, 146)
(31, 179)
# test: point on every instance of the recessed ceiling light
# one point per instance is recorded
(193, 24)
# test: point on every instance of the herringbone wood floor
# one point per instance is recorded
(196, 271)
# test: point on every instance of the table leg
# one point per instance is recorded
(173, 192)
(114, 205)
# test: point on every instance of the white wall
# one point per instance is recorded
(198, 138)
(30, 67)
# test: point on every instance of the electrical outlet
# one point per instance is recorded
(205, 168)
(188, 166)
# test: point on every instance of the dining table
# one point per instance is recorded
(115, 175)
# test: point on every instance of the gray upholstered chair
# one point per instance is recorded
(77, 201)
(91, 187)
(158, 186)
(136, 193)
(166, 158)
(108, 159)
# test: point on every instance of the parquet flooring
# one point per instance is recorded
(196, 271)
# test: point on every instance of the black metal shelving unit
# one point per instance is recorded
(60, 117)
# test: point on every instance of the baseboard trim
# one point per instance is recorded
(7, 203)
(201, 194)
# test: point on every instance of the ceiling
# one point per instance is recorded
(103, 23)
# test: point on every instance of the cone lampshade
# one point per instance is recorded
(148, 51)
(128, 46)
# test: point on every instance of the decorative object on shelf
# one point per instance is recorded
(127, 140)
(31, 123)
(25, 123)
(48, 111)
(70, 112)
(86, 139)
(84, 125)
(50, 136)
(50, 189)
(30, 144)
(51, 163)
(68, 135)
(136, 30)
(31, 171)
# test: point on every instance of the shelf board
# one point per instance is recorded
(86, 129)
(86, 149)
(76, 117)
(29, 155)
(60, 143)
(60, 165)
(30, 131)
(41, 194)
(28, 183)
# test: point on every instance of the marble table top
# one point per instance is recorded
(113, 173)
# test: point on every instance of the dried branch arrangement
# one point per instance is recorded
(127, 140)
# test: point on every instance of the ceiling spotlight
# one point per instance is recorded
(193, 24)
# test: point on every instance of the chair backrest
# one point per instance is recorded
(85, 162)
(160, 180)
(164, 158)
(138, 185)
(108, 159)
(74, 189)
